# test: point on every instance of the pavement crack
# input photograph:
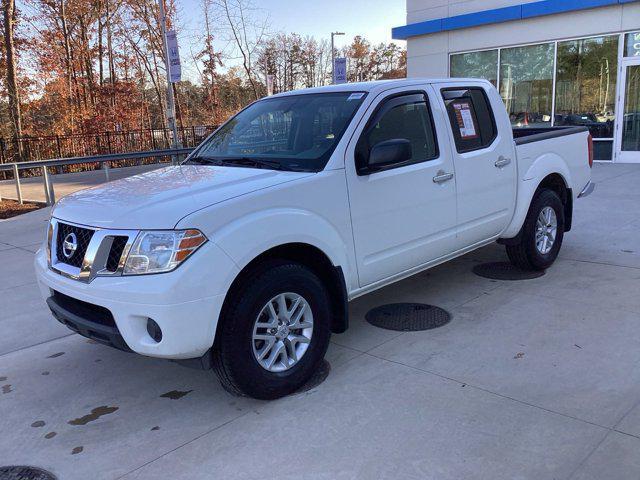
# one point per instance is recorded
(22, 247)
(593, 262)
(626, 433)
(184, 444)
(4, 354)
(506, 397)
(2, 289)
(584, 460)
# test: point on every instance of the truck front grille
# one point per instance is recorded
(80, 237)
(83, 253)
(115, 254)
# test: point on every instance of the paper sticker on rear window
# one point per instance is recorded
(465, 120)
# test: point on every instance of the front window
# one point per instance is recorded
(297, 132)
(407, 117)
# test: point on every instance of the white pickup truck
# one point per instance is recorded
(244, 257)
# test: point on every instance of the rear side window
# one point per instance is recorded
(471, 118)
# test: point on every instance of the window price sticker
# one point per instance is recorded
(465, 120)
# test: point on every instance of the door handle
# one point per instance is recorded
(502, 162)
(442, 177)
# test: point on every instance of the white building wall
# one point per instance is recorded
(422, 10)
(428, 55)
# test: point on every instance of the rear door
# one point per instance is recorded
(404, 215)
(484, 159)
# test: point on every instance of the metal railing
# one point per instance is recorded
(31, 148)
(103, 160)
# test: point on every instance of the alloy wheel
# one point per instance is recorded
(546, 230)
(282, 332)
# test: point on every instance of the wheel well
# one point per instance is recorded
(556, 183)
(314, 259)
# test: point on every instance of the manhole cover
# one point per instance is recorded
(505, 271)
(408, 317)
(318, 377)
(25, 473)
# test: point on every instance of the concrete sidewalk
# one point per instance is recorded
(538, 379)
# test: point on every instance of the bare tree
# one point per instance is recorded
(211, 60)
(246, 32)
(9, 11)
(296, 62)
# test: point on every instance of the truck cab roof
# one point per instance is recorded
(379, 86)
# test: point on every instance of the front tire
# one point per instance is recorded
(274, 333)
(542, 233)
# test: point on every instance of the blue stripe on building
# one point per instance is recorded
(499, 15)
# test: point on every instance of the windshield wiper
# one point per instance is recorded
(240, 161)
(256, 162)
(199, 160)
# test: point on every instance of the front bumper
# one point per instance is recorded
(176, 301)
(87, 321)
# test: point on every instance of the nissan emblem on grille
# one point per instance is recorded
(70, 245)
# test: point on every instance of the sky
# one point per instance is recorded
(372, 19)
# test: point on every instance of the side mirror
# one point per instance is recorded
(388, 153)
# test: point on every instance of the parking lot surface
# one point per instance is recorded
(535, 379)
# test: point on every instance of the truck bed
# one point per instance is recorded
(523, 135)
(566, 147)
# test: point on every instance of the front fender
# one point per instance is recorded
(246, 237)
(541, 168)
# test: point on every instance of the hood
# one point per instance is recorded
(160, 198)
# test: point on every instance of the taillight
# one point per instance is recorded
(590, 145)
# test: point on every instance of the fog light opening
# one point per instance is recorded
(154, 331)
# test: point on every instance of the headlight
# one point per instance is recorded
(161, 251)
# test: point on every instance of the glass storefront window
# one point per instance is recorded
(526, 84)
(631, 118)
(632, 44)
(476, 65)
(586, 84)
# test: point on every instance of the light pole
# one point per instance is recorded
(333, 56)
(171, 104)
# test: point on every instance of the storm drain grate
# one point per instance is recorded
(408, 317)
(20, 472)
(505, 271)
(319, 376)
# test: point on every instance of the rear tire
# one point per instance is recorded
(542, 233)
(258, 338)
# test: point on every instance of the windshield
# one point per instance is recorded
(296, 132)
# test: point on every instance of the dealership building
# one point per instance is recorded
(555, 62)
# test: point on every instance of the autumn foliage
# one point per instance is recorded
(88, 66)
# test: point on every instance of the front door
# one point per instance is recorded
(404, 215)
(628, 118)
